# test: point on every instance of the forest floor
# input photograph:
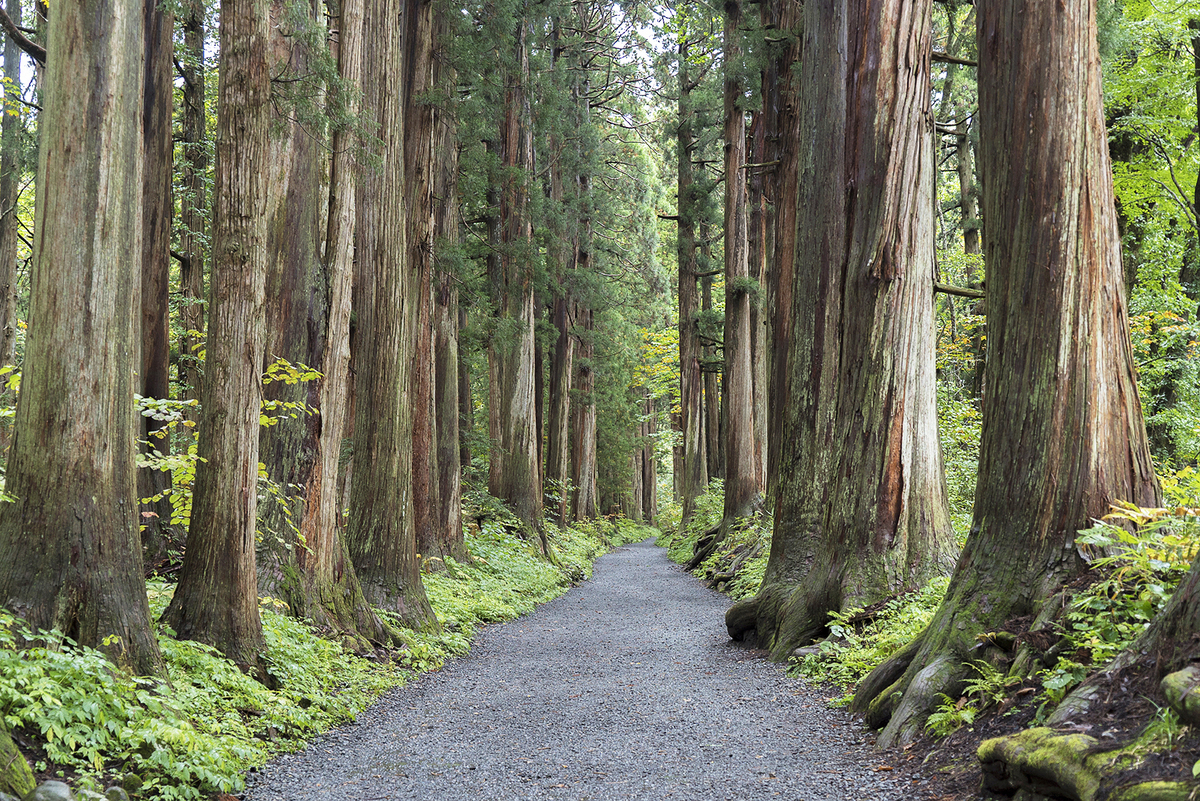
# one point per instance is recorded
(627, 687)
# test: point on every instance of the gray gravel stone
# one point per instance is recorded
(627, 687)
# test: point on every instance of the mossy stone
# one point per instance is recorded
(15, 776)
(1156, 791)
(51, 791)
(1040, 761)
(1182, 691)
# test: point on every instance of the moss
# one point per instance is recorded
(15, 776)
(1038, 760)
(1156, 791)
(1182, 691)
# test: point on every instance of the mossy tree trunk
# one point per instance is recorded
(216, 601)
(1063, 434)
(381, 532)
(71, 536)
(861, 512)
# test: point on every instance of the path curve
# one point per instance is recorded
(627, 687)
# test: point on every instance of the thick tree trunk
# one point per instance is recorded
(381, 533)
(216, 601)
(1063, 435)
(194, 203)
(781, 105)
(514, 475)
(693, 473)
(157, 211)
(466, 400)
(71, 469)
(861, 512)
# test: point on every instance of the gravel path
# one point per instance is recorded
(627, 687)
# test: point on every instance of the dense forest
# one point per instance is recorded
(298, 297)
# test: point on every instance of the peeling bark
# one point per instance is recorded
(861, 509)
(1063, 434)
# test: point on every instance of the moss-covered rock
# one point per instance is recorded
(1041, 762)
(1156, 791)
(1182, 690)
(15, 776)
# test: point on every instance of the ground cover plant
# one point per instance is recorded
(77, 717)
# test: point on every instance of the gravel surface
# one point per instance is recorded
(627, 687)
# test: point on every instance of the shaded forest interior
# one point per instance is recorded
(298, 298)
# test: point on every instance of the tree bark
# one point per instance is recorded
(1063, 434)
(514, 475)
(381, 533)
(861, 512)
(419, 168)
(587, 495)
(194, 203)
(781, 106)
(446, 377)
(157, 211)
(71, 468)
(216, 601)
(741, 470)
(332, 594)
(296, 308)
(11, 168)
(693, 475)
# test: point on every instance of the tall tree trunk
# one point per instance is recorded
(381, 533)
(157, 211)
(1063, 434)
(11, 168)
(296, 308)
(781, 101)
(419, 168)
(194, 203)
(741, 470)
(558, 447)
(446, 378)
(466, 400)
(713, 430)
(71, 469)
(332, 593)
(515, 476)
(216, 601)
(861, 512)
(587, 498)
(693, 473)
(760, 244)
(649, 463)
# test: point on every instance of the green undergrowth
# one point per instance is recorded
(195, 735)
(859, 640)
